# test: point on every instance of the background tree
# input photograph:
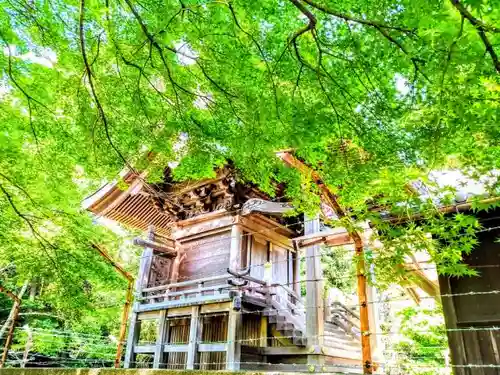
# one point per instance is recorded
(372, 94)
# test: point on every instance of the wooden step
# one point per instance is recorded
(283, 326)
(299, 341)
(276, 319)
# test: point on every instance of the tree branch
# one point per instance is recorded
(473, 20)
(312, 20)
(346, 17)
(481, 29)
(89, 73)
(43, 241)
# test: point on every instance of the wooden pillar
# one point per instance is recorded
(364, 317)
(194, 338)
(373, 317)
(141, 282)
(296, 274)
(456, 340)
(263, 342)
(235, 251)
(161, 338)
(133, 337)
(233, 355)
(315, 319)
(263, 332)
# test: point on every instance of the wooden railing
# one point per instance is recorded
(185, 289)
(287, 301)
(344, 318)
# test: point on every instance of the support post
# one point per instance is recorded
(194, 337)
(296, 273)
(133, 336)
(126, 306)
(141, 282)
(363, 310)
(10, 334)
(263, 341)
(235, 250)
(331, 200)
(233, 354)
(315, 319)
(161, 338)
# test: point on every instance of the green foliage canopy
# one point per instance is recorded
(373, 94)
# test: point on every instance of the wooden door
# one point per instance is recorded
(258, 257)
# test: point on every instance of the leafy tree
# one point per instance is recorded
(422, 347)
(339, 269)
(372, 94)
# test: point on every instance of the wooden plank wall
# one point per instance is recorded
(178, 334)
(205, 257)
(214, 330)
(250, 330)
(476, 352)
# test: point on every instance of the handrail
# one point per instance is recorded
(184, 292)
(345, 318)
(347, 309)
(185, 283)
(292, 293)
(244, 275)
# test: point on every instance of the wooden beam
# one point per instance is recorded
(194, 336)
(263, 341)
(128, 300)
(140, 283)
(332, 239)
(235, 250)
(161, 337)
(223, 297)
(456, 340)
(315, 319)
(176, 348)
(133, 337)
(144, 349)
(10, 334)
(213, 347)
(266, 207)
(233, 354)
(170, 252)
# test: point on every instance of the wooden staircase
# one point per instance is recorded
(285, 328)
(286, 315)
(285, 311)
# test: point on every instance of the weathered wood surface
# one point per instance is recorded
(475, 347)
(167, 250)
(233, 354)
(223, 297)
(205, 257)
(214, 335)
(314, 287)
(266, 207)
(194, 337)
(161, 339)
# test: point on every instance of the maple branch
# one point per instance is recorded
(481, 29)
(473, 20)
(346, 17)
(93, 91)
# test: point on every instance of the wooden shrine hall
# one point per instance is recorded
(219, 284)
